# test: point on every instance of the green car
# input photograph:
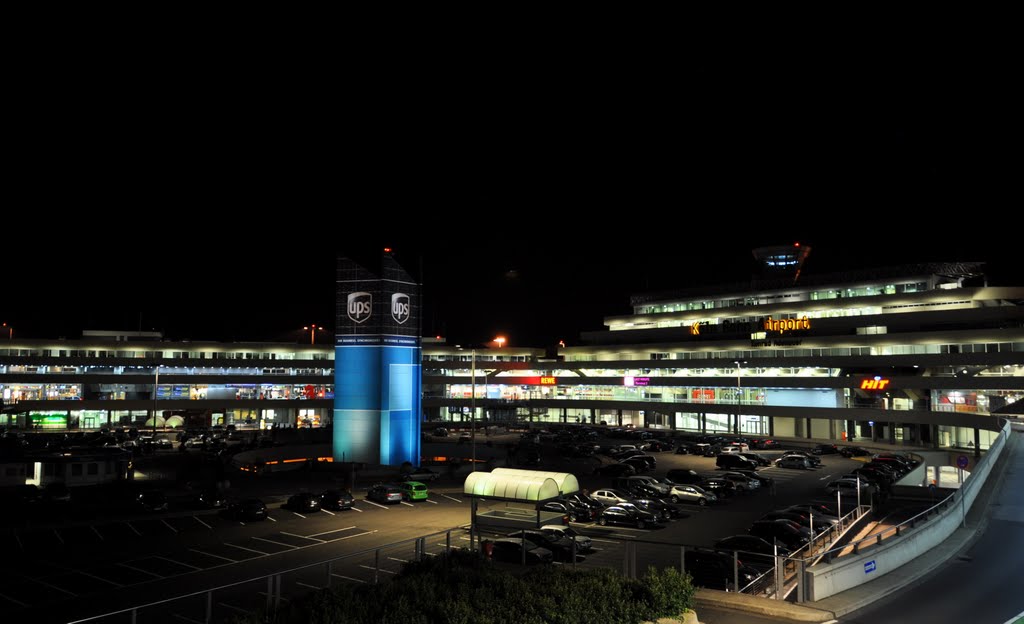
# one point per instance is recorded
(413, 490)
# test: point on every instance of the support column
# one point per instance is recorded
(593, 416)
(672, 421)
(703, 418)
(977, 442)
(771, 426)
(935, 436)
(619, 416)
(892, 433)
(565, 415)
(808, 428)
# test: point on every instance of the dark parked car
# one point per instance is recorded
(577, 512)
(615, 470)
(304, 502)
(660, 507)
(685, 475)
(559, 545)
(825, 449)
(765, 480)
(211, 498)
(754, 550)
(587, 501)
(247, 509)
(794, 461)
(722, 488)
(152, 500)
(716, 570)
(641, 463)
(811, 457)
(511, 551)
(786, 531)
(854, 451)
(628, 515)
(336, 500)
(757, 458)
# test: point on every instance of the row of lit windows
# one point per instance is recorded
(863, 291)
(925, 349)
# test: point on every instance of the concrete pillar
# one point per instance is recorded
(672, 420)
(977, 442)
(565, 415)
(619, 417)
(935, 435)
(593, 416)
(703, 418)
(808, 428)
(771, 426)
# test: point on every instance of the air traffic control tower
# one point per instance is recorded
(377, 381)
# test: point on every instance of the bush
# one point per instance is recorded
(463, 589)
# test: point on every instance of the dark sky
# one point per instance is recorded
(534, 202)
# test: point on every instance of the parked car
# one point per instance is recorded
(609, 496)
(785, 531)
(656, 506)
(629, 516)
(742, 481)
(848, 487)
(57, 493)
(247, 509)
(336, 500)
(802, 518)
(414, 491)
(618, 469)
(706, 450)
(735, 461)
(793, 461)
(423, 475)
(559, 545)
(649, 484)
(576, 512)
(511, 551)
(587, 501)
(303, 502)
(717, 570)
(854, 451)
(722, 488)
(811, 457)
(211, 498)
(757, 458)
(656, 446)
(763, 479)
(682, 493)
(685, 475)
(583, 543)
(152, 500)
(825, 449)
(755, 551)
(641, 463)
(387, 494)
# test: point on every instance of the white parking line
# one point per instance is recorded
(381, 569)
(259, 552)
(279, 597)
(329, 513)
(432, 502)
(338, 539)
(133, 528)
(21, 546)
(307, 585)
(828, 476)
(234, 608)
(263, 539)
(18, 602)
(376, 504)
(203, 552)
(131, 567)
(299, 515)
(181, 563)
(397, 559)
(452, 498)
(187, 619)
(271, 519)
(594, 539)
(314, 536)
(169, 526)
(59, 537)
(55, 587)
(354, 508)
(347, 578)
(97, 532)
(202, 523)
(98, 578)
(409, 504)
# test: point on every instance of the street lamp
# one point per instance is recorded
(500, 341)
(10, 331)
(312, 329)
(472, 405)
(739, 392)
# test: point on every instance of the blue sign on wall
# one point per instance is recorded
(869, 567)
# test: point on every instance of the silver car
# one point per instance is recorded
(609, 496)
(680, 493)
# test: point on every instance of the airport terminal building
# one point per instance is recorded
(926, 353)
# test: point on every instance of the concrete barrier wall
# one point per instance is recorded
(824, 580)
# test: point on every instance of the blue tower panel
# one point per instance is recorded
(400, 400)
(357, 403)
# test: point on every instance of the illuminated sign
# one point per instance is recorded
(635, 381)
(695, 329)
(784, 325)
(876, 383)
(548, 381)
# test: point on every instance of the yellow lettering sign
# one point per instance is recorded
(784, 325)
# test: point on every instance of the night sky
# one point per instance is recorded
(533, 204)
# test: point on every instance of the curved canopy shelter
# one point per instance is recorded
(513, 488)
(567, 483)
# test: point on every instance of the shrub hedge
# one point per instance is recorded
(463, 589)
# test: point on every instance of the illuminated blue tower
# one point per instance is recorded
(377, 365)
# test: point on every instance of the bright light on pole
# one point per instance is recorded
(312, 329)
(472, 408)
(10, 331)
(500, 341)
